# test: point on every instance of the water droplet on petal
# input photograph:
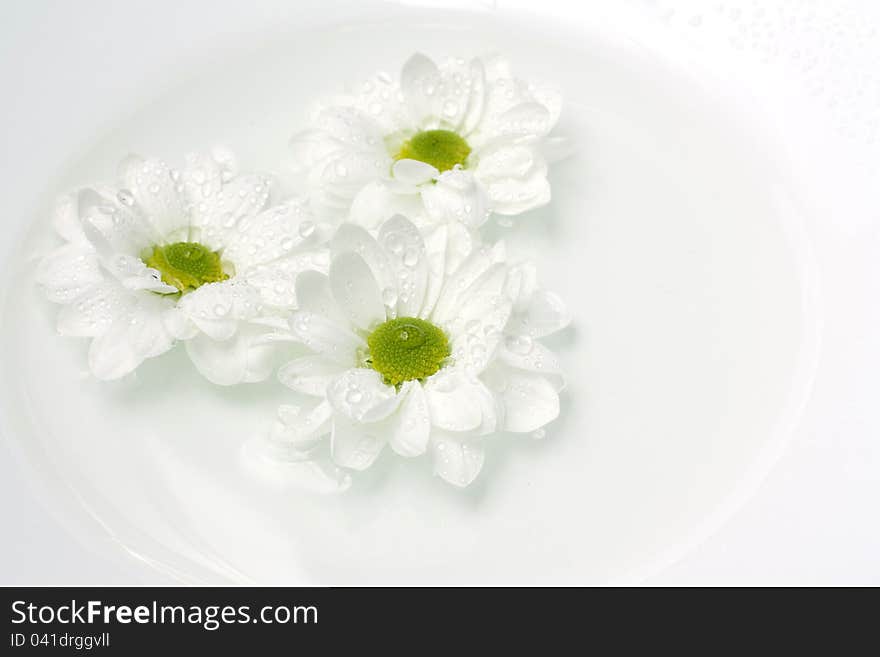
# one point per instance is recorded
(389, 296)
(125, 197)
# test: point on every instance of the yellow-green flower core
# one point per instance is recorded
(186, 265)
(442, 149)
(407, 348)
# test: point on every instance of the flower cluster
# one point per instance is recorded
(411, 331)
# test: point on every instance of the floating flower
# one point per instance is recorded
(423, 343)
(454, 141)
(166, 255)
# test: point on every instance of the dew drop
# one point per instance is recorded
(389, 296)
(307, 228)
(125, 197)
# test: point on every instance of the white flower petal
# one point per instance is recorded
(93, 310)
(376, 202)
(281, 464)
(221, 215)
(276, 280)
(135, 335)
(551, 99)
(217, 308)
(324, 336)
(456, 460)
(380, 98)
(133, 274)
(356, 290)
(355, 239)
(313, 294)
(419, 80)
(456, 197)
(506, 160)
(543, 314)
(524, 120)
(67, 271)
(303, 428)
(529, 401)
(361, 395)
(452, 401)
(522, 283)
(414, 172)
(405, 248)
(114, 228)
(154, 188)
(350, 128)
(243, 358)
(270, 235)
(473, 113)
(511, 196)
(484, 306)
(458, 281)
(436, 241)
(310, 146)
(351, 446)
(523, 353)
(309, 375)
(65, 219)
(410, 428)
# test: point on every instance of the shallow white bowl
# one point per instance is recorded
(677, 235)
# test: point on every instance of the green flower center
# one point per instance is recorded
(442, 149)
(407, 348)
(186, 265)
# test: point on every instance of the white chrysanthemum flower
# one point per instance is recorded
(420, 343)
(166, 255)
(454, 141)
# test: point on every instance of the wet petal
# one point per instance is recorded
(309, 375)
(356, 291)
(452, 402)
(313, 294)
(151, 182)
(543, 314)
(351, 446)
(414, 172)
(456, 196)
(529, 401)
(243, 358)
(419, 80)
(458, 461)
(410, 428)
(360, 395)
(324, 336)
(67, 271)
(405, 249)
